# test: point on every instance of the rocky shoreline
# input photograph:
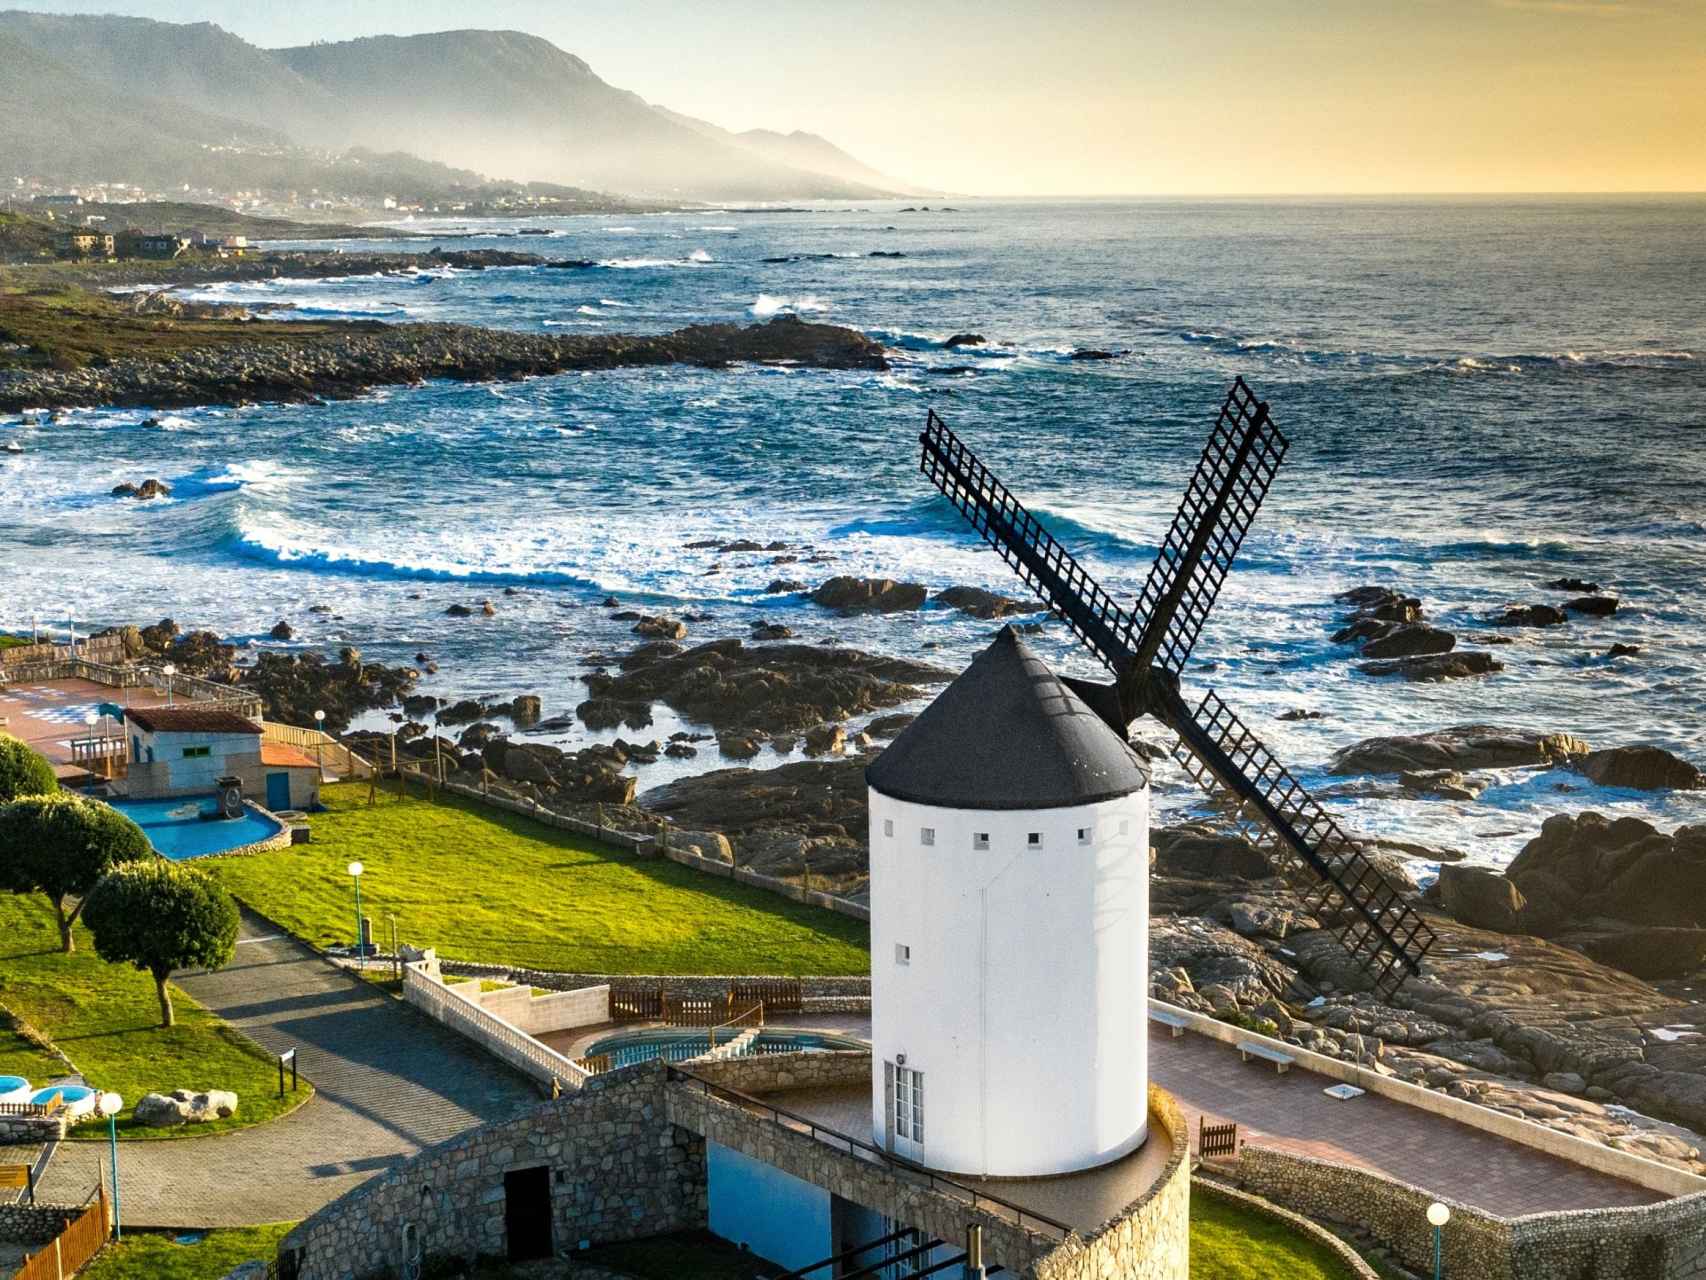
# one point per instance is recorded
(354, 358)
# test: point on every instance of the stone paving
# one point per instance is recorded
(388, 1082)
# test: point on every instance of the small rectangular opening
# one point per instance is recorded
(980, 840)
(902, 953)
(1083, 835)
(1034, 840)
(888, 826)
(927, 835)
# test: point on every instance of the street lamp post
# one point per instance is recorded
(1438, 1216)
(319, 761)
(90, 720)
(355, 870)
(169, 671)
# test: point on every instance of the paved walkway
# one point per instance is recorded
(389, 1082)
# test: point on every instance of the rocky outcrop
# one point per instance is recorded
(1460, 748)
(149, 488)
(339, 361)
(1592, 606)
(1641, 768)
(1481, 898)
(1434, 667)
(770, 689)
(870, 595)
(1390, 630)
(1533, 615)
(293, 686)
(983, 604)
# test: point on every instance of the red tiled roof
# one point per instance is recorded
(279, 755)
(183, 719)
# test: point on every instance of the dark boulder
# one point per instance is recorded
(965, 340)
(983, 604)
(870, 595)
(1534, 615)
(1481, 898)
(459, 611)
(784, 586)
(1573, 584)
(661, 628)
(1408, 640)
(281, 630)
(1592, 606)
(1437, 666)
(1461, 747)
(1641, 768)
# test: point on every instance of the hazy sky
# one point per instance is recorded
(1146, 96)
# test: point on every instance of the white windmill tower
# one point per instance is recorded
(1009, 928)
(1009, 841)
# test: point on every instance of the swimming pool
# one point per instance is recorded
(674, 1044)
(177, 830)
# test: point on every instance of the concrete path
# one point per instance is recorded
(389, 1082)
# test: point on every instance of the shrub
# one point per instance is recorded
(23, 772)
(159, 917)
(61, 845)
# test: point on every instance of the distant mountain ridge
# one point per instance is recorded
(503, 103)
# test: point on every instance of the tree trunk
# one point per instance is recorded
(166, 1018)
(66, 944)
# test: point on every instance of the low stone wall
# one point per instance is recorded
(32, 1128)
(1662, 1241)
(1151, 1238)
(617, 1172)
(682, 986)
(1354, 1262)
(34, 1224)
(766, 1073)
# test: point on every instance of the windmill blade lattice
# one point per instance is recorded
(1047, 567)
(1237, 466)
(1382, 932)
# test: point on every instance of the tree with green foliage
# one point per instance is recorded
(61, 845)
(22, 771)
(160, 916)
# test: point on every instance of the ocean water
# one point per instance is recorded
(1482, 395)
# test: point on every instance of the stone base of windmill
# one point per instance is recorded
(181, 1106)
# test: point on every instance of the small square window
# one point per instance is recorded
(1034, 840)
(927, 835)
(888, 827)
(1125, 826)
(980, 840)
(902, 953)
(1083, 835)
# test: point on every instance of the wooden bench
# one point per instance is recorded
(1248, 1049)
(1174, 1021)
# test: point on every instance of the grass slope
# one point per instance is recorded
(105, 1018)
(480, 884)
(1228, 1242)
(151, 1256)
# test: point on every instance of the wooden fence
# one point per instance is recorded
(632, 1002)
(81, 1240)
(777, 995)
(1216, 1139)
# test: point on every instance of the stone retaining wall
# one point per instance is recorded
(1662, 1241)
(1151, 1238)
(683, 986)
(32, 1128)
(765, 1073)
(618, 1172)
(1354, 1262)
(34, 1224)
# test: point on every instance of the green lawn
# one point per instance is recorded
(151, 1256)
(105, 1018)
(481, 884)
(1229, 1242)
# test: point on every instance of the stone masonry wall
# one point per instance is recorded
(1151, 1238)
(679, 986)
(1662, 1241)
(32, 1128)
(34, 1224)
(765, 1073)
(618, 1172)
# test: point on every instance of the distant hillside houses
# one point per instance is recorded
(133, 242)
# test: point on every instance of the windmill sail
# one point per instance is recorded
(1381, 931)
(1146, 648)
(1020, 539)
(1238, 464)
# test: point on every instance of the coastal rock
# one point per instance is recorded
(149, 488)
(1445, 784)
(770, 689)
(464, 712)
(890, 725)
(1641, 768)
(1574, 584)
(869, 595)
(1460, 748)
(281, 630)
(661, 628)
(1201, 852)
(1534, 615)
(1624, 869)
(1623, 651)
(1481, 898)
(1093, 353)
(1592, 606)
(983, 604)
(608, 713)
(783, 586)
(965, 340)
(762, 630)
(459, 611)
(1408, 640)
(826, 740)
(1435, 667)
(292, 686)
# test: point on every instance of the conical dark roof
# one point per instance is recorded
(1007, 735)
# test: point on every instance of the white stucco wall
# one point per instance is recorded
(1023, 1000)
(227, 753)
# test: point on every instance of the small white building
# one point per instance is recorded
(184, 750)
(1009, 929)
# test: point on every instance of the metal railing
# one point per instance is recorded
(1026, 1219)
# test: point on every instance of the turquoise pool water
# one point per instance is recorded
(177, 830)
(673, 1044)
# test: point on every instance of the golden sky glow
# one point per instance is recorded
(1141, 97)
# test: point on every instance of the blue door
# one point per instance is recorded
(278, 791)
